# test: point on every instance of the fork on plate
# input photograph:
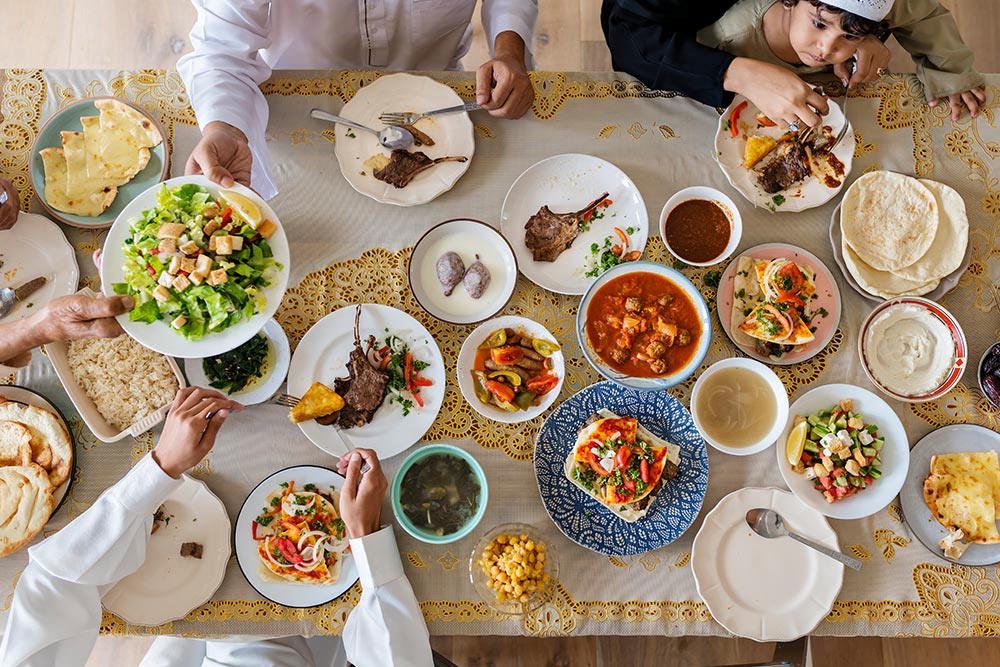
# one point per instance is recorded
(289, 401)
(411, 117)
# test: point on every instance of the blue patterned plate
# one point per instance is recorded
(583, 519)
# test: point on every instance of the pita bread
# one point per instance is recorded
(118, 117)
(15, 444)
(950, 241)
(889, 219)
(112, 156)
(46, 430)
(26, 503)
(85, 203)
(883, 283)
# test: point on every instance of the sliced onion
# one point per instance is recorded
(310, 567)
(306, 535)
(291, 508)
(267, 550)
(336, 546)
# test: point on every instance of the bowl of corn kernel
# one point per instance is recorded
(514, 568)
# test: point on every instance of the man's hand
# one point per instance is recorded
(970, 98)
(223, 155)
(78, 316)
(361, 497)
(10, 208)
(195, 417)
(502, 84)
(778, 93)
(871, 56)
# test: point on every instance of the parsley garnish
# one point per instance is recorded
(712, 278)
(778, 200)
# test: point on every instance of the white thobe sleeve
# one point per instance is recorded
(225, 70)
(387, 628)
(56, 613)
(519, 16)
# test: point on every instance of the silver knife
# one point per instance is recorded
(11, 297)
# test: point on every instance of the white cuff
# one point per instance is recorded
(145, 487)
(377, 557)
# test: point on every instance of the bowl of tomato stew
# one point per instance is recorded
(644, 326)
(701, 226)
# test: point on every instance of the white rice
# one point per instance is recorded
(126, 380)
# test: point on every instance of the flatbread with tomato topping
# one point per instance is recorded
(771, 304)
(620, 464)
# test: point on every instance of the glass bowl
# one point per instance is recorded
(480, 578)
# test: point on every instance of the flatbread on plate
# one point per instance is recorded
(58, 196)
(962, 492)
(47, 432)
(26, 503)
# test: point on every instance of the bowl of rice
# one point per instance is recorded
(118, 386)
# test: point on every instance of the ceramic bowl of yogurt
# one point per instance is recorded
(462, 271)
(912, 349)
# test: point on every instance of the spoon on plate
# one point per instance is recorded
(768, 523)
(392, 137)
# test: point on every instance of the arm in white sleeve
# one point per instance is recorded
(225, 70)
(518, 16)
(56, 612)
(387, 628)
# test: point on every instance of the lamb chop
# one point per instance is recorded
(548, 234)
(783, 168)
(403, 166)
(364, 389)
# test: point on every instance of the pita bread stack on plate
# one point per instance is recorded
(902, 235)
(36, 457)
(82, 177)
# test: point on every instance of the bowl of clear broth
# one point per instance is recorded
(439, 494)
(700, 226)
(740, 406)
(644, 326)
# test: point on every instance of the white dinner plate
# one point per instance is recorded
(827, 298)
(288, 594)
(33, 247)
(276, 368)
(567, 183)
(159, 335)
(322, 356)
(467, 359)
(895, 452)
(800, 196)
(765, 589)
(452, 134)
(167, 586)
(947, 440)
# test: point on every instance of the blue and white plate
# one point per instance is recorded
(591, 524)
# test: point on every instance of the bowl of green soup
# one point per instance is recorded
(439, 494)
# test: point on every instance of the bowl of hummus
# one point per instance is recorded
(912, 349)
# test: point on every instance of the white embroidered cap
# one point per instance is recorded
(873, 10)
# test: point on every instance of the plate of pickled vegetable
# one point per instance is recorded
(510, 369)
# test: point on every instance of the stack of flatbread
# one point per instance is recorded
(36, 457)
(83, 176)
(962, 492)
(902, 235)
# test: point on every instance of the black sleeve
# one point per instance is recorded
(663, 53)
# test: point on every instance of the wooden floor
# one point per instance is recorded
(75, 33)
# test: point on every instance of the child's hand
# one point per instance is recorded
(779, 93)
(871, 56)
(970, 98)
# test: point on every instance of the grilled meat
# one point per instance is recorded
(784, 167)
(363, 390)
(404, 165)
(548, 234)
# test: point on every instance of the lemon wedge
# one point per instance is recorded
(243, 206)
(796, 442)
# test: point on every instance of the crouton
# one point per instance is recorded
(188, 264)
(203, 265)
(210, 211)
(211, 227)
(181, 283)
(179, 321)
(161, 293)
(266, 228)
(196, 277)
(237, 242)
(168, 245)
(165, 279)
(175, 265)
(170, 230)
(212, 240)
(223, 245)
(189, 248)
(217, 277)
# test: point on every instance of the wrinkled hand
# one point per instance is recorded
(223, 155)
(79, 316)
(502, 84)
(780, 94)
(361, 497)
(189, 434)
(959, 101)
(870, 56)
(10, 208)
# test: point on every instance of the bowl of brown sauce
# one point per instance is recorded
(644, 326)
(700, 226)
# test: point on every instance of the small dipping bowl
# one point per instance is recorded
(723, 202)
(397, 489)
(534, 599)
(992, 396)
(777, 391)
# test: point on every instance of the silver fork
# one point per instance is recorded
(411, 117)
(289, 401)
(843, 131)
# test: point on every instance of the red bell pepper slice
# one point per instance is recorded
(734, 128)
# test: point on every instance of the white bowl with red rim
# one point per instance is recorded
(722, 201)
(961, 356)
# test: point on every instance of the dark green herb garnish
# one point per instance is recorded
(234, 370)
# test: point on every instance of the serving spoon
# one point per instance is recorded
(392, 137)
(768, 523)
